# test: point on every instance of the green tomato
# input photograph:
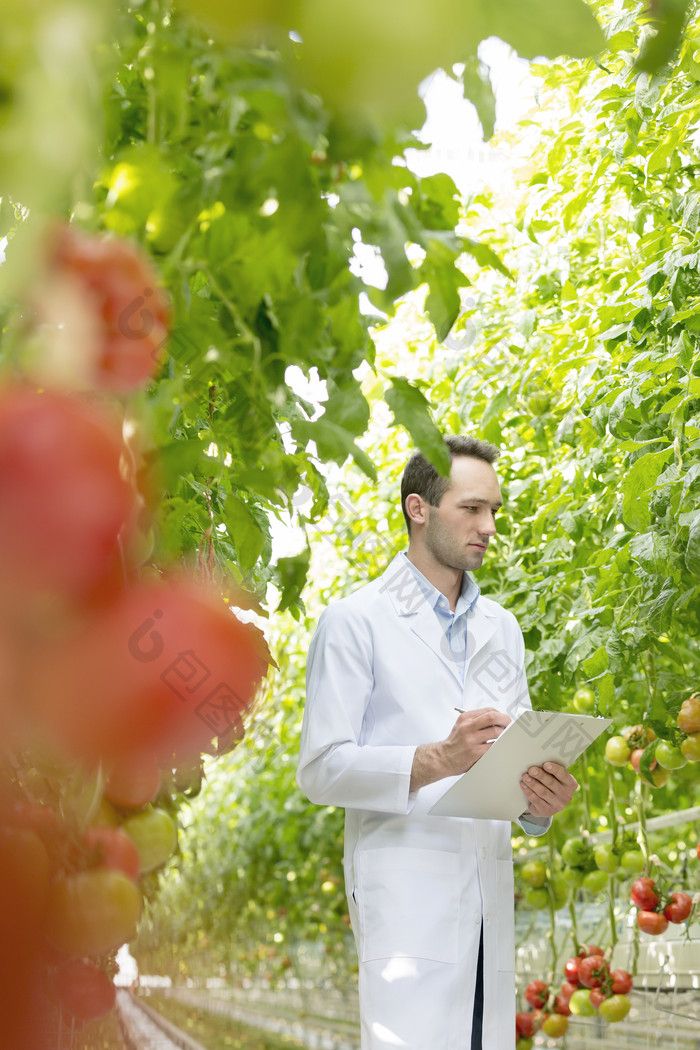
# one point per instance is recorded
(154, 833)
(537, 897)
(614, 1008)
(606, 858)
(668, 756)
(617, 751)
(561, 889)
(573, 876)
(574, 852)
(523, 1044)
(632, 860)
(690, 747)
(595, 881)
(584, 700)
(580, 1003)
(534, 873)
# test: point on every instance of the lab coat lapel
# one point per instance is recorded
(410, 602)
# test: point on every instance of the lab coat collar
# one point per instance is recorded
(408, 599)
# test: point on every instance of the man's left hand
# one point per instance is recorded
(548, 789)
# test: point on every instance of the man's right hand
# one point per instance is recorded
(470, 737)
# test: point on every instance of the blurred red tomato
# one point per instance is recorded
(571, 969)
(122, 315)
(621, 982)
(64, 500)
(165, 668)
(134, 781)
(24, 889)
(112, 848)
(84, 990)
(537, 993)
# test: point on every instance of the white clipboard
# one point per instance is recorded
(491, 789)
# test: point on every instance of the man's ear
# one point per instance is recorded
(415, 508)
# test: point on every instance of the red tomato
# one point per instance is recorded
(697, 850)
(164, 668)
(597, 996)
(92, 912)
(571, 969)
(561, 1005)
(652, 922)
(41, 819)
(567, 989)
(636, 757)
(643, 893)
(64, 500)
(537, 993)
(621, 982)
(112, 848)
(84, 990)
(689, 715)
(134, 781)
(121, 298)
(590, 949)
(679, 906)
(525, 1024)
(592, 971)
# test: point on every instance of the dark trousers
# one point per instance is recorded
(478, 1017)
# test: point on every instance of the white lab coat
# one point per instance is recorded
(381, 680)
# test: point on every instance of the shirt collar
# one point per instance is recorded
(467, 597)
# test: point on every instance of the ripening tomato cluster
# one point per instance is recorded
(655, 909)
(652, 759)
(589, 865)
(589, 987)
(113, 681)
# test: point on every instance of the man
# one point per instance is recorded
(430, 898)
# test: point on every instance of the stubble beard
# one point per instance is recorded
(447, 551)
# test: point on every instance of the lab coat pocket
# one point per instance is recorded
(408, 903)
(506, 919)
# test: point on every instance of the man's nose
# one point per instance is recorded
(487, 525)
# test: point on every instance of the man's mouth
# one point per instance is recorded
(479, 546)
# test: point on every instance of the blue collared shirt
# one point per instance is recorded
(454, 624)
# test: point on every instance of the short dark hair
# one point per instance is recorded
(421, 477)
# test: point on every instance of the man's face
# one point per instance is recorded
(459, 530)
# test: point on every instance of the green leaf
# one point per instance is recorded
(333, 442)
(479, 91)
(595, 664)
(660, 47)
(291, 576)
(692, 550)
(484, 255)
(540, 27)
(411, 410)
(639, 480)
(244, 529)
